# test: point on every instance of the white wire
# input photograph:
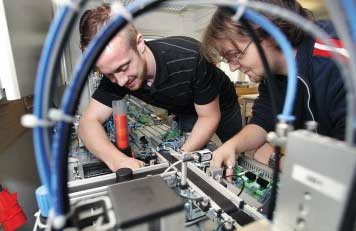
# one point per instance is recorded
(58, 115)
(170, 167)
(119, 9)
(176, 155)
(309, 96)
(38, 221)
(240, 12)
(37, 215)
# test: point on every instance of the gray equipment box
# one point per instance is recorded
(316, 183)
(147, 204)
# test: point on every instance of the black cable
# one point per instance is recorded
(243, 182)
(195, 221)
(275, 178)
(243, 185)
(180, 125)
(267, 70)
(272, 89)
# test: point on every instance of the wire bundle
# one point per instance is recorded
(45, 83)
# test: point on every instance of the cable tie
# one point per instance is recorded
(38, 220)
(240, 11)
(58, 115)
(117, 8)
(31, 121)
(59, 221)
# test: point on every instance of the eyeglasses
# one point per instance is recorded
(236, 56)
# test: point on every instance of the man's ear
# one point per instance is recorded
(140, 43)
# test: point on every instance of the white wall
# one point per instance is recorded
(190, 22)
(24, 25)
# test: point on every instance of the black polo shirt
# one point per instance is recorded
(182, 78)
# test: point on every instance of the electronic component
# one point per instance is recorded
(141, 142)
(250, 181)
(202, 158)
(95, 169)
(140, 199)
(147, 156)
(203, 155)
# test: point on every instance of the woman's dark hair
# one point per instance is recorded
(222, 26)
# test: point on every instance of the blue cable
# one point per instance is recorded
(350, 9)
(58, 149)
(39, 133)
(73, 92)
(45, 84)
(288, 54)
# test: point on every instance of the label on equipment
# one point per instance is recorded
(323, 184)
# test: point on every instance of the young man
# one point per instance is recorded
(321, 95)
(168, 73)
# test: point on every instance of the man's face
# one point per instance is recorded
(243, 56)
(123, 64)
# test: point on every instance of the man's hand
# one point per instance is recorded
(126, 162)
(225, 156)
(263, 153)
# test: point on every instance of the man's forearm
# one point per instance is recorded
(249, 138)
(96, 141)
(201, 133)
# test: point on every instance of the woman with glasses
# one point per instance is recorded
(320, 94)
